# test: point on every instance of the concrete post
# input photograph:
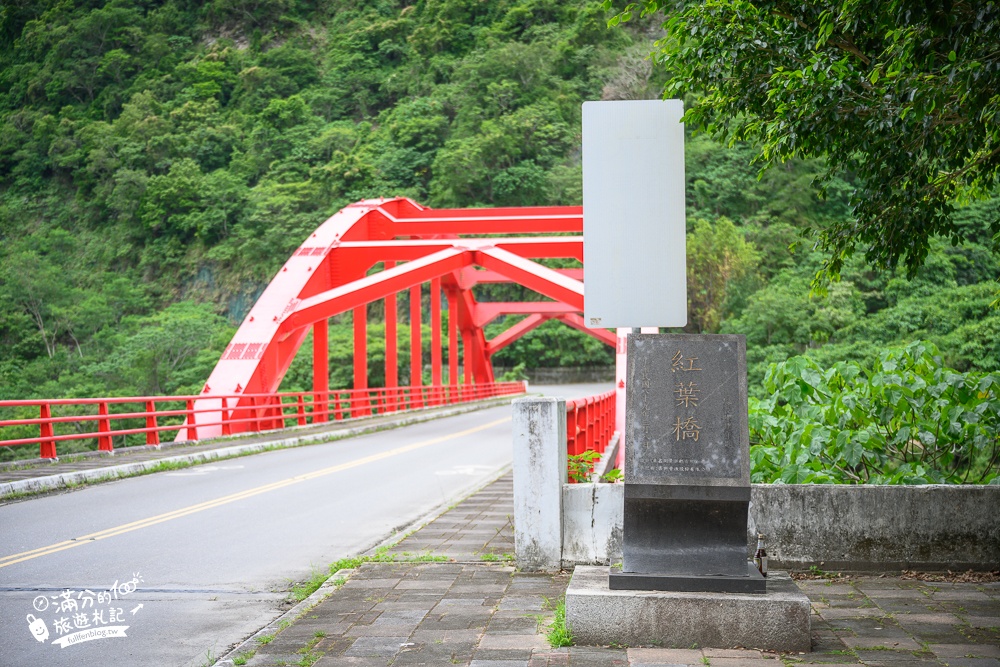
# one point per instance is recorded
(539, 473)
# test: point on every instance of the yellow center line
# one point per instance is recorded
(224, 500)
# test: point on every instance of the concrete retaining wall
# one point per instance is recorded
(592, 524)
(931, 527)
(836, 527)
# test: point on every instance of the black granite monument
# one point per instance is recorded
(687, 466)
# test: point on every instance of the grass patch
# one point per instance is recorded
(496, 558)
(265, 639)
(301, 591)
(310, 586)
(243, 658)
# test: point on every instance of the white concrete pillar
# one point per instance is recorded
(539, 473)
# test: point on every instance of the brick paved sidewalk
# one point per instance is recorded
(478, 612)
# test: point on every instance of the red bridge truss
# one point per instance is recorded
(451, 249)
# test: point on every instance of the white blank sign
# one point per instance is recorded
(634, 268)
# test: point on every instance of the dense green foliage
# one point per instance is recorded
(902, 94)
(166, 150)
(905, 419)
(160, 159)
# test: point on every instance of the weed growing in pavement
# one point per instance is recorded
(309, 659)
(243, 658)
(426, 557)
(307, 588)
(496, 558)
(559, 633)
(265, 639)
(381, 555)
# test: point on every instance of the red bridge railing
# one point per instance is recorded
(62, 420)
(590, 423)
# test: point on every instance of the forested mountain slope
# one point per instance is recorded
(159, 160)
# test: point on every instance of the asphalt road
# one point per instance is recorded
(194, 561)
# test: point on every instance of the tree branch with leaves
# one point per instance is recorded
(905, 96)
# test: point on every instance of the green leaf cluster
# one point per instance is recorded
(904, 419)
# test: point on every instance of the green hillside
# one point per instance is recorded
(160, 160)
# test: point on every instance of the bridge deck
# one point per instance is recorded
(37, 475)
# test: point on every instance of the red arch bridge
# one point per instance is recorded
(366, 252)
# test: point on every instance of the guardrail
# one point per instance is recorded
(62, 420)
(590, 423)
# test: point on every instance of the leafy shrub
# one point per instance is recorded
(580, 467)
(906, 420)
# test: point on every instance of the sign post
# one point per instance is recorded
(685, 577)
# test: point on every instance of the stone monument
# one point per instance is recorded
(687, 467)
(685, 578)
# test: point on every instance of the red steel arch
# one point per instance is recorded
(328, 275)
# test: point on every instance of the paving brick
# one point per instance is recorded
(836, 613)
(344, 661)
(511, 641)
(518, 624)
(369, 647)
(964, 595)
(892, 643)
(664, 656)
(973, 662)
(947, 651)
(519, 603)
(730, 653)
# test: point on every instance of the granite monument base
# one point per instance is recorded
(753, 582)
(598, 616)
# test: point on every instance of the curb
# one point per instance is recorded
(113, 473)
(286, 619)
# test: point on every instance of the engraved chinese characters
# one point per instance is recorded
(683, 416)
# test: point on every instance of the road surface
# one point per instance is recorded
(186, 564)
